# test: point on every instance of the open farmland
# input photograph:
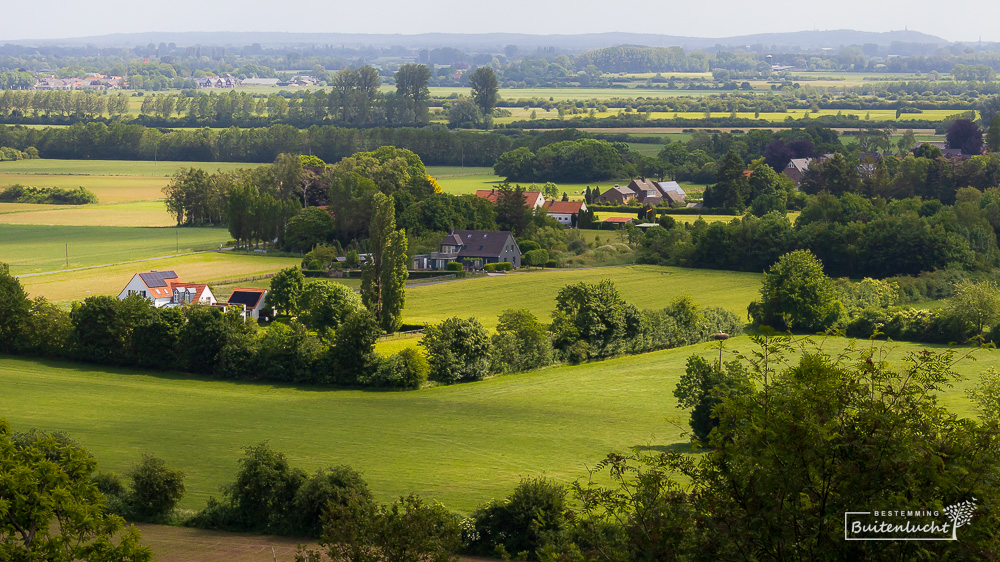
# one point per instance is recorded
(32, 249)
(111, 167)
(645, 286)
(139, 213)
(129, 192)
(210, 267)
(461, 444)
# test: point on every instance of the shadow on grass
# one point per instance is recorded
(681, 447)
(96, 369)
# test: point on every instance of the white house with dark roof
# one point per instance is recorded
(251, 299)
(164, 288)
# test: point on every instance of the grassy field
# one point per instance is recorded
(30, 248)
(146, 168)
(138, 213)
(645, 286)
(211, 267)
(461, 445)
(129, 192)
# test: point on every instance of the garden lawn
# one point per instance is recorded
(461, 445)
(208, 267)
(645, 286)
(30, 248)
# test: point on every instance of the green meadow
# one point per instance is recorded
(645, 286)
(112, 167)
(461, 444)
(34, 248)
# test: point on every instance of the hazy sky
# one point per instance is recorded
(956, 20)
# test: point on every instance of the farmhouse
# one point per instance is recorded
(650, 192)
(532, 199)
(473, 248)
(252, 301)
(566, 212)
(645, 190)
(164, 288)
(617, 195)
(671, 191)
(796, 169)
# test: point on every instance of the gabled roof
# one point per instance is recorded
(247, 297)
(157, 278)
(621, 220)
(800, 164)
(672, 190)
(642, 184)
(197, 290)
(530, 197)
(452, 240)
(568, 207)
(483, 243)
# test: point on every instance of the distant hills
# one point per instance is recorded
(493, 42)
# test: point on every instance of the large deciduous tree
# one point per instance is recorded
(286, 286)
(966, 136)
(15, 308)
(796, 295)
(411, 84)
(323, 305)
(485, 89)
(383, 275)
(49, 507)
(811, 438)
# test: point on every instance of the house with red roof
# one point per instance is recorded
(566, 212)
(532, 199)
(164, 288)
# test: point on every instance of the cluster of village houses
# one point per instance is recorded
(105, 82)
(165, 290)
(472, 248)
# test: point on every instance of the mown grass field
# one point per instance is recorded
(32, 248)
(210, 267)
(139, 213)
(129, 192)
(645, 286)
(461, 445)
(111, 167)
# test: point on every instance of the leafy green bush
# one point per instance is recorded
(407, 369)
(46, 195)
(327, 487)
(454, 266)
(501, 266)
(155, 489)
(535, 258)
(458, 350)
(797, 295)
(531, 517)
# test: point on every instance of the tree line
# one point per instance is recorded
(121, 141)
